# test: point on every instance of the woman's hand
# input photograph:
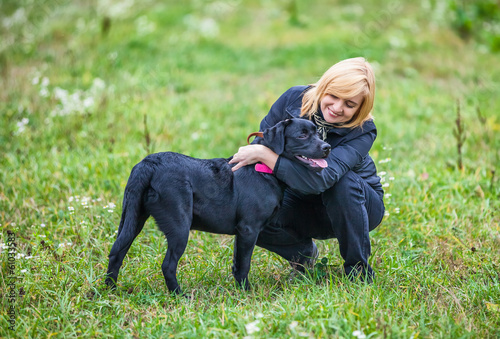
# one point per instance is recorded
(251, 154)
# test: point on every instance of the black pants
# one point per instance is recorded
(348, 211)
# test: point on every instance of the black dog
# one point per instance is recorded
(184, 193)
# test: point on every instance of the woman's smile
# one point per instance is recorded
(333, 114)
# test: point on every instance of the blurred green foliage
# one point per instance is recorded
(478, 19)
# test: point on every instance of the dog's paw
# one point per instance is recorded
(244, 285)
(110, 284)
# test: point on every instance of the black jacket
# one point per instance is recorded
(350, 148)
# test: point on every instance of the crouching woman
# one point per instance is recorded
(343, 201)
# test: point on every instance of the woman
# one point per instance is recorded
(343, 201)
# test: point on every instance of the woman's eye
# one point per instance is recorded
(303, 136)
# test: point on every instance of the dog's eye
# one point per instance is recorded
(304, 134)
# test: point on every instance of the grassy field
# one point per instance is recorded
(88, 88)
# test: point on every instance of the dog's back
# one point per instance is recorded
(219, 198)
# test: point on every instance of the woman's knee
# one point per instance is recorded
(350, 186)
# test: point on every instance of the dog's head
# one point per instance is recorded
(297, 139)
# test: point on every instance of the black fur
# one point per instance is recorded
(184, 193)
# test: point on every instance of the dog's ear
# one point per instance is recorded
(275, 136)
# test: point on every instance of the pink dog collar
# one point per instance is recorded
(263, 168)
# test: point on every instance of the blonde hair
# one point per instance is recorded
(345, 79)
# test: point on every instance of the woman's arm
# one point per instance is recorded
(252, 154)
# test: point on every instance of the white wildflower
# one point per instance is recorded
(98, 85)
(385, 185)
(18, 18)
(396, 42)
(88, 102)
(45, 82)
(209, 28)
(293, 324)
(206, 27)
(359, 334)
(143, 26)
(21, 125)
(60, 94)
(115, 9)
(252, 327)
(78, 101)
(381, 174)
(24, 271)
(387, 195)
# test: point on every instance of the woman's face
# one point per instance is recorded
(336, 110)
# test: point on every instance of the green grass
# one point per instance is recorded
(436, 254)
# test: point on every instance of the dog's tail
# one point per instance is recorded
(133, 207)
(134, 215)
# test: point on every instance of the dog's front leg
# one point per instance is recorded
(244, 243)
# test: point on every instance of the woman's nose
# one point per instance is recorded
(337, 105)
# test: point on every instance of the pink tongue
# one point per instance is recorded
(321, 162)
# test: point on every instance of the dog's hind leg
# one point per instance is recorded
(131, 225)
(177, 242)
(174, 217)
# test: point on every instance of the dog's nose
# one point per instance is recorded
(326, 150)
